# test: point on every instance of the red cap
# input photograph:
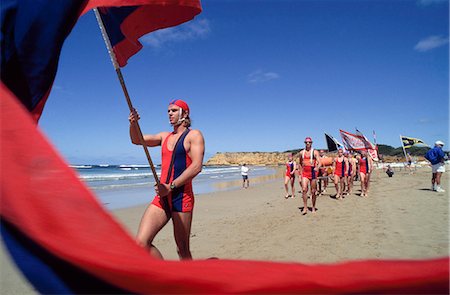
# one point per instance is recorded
(182, 104)
(308, 139)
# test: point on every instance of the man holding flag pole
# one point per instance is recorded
(182, 150)
(182, 157)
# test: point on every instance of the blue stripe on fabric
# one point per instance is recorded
(48, 273)
(113, 17)
(179, 166)
(40, 275)
(32, 34)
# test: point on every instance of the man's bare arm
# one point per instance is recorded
(300, 160)
(149, 139)
(318, 162)
(370, 164)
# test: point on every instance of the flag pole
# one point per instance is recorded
(125, 91)
(375, 139)
(403, 146)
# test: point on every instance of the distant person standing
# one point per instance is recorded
(365, 168)
(340, 164)
(436, 156)
(389, 171)
(244, 173)
(310, 164)
(291, 168)
(409, 162)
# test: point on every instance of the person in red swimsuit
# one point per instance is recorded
(291, 167)
(365, 168)
(340, 166)
(309, 164)
(182, 157)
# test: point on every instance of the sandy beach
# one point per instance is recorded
(401, 219)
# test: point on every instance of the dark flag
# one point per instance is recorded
(411, 141)
(332, 143)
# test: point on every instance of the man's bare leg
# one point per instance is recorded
(342, 183)
(438, 178)
(433, 181)
(313, 194)
(367, 183)
(153, 220)
(336, 185)
(182, 230)
(286, 182)
(293, 187)
(362, 177)
(305, 182)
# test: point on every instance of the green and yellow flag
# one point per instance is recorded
(411, 141)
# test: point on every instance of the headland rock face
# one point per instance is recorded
(249, 158)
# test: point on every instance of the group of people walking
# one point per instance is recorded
(314, 169)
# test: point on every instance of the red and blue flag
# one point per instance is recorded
(125, 25)
(33, 33)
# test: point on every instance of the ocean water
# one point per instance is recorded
(121, 186)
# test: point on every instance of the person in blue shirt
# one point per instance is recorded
(437, 166)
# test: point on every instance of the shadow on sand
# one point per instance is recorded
(309, 209)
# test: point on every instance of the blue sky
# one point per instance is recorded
(261, 76)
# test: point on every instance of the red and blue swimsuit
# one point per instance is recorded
(181, 199)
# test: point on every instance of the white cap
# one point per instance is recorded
(439, 143)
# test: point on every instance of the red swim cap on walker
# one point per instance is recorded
(182, 104)
(308, 139)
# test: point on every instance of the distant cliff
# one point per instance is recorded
(250, 158)
(274, 158)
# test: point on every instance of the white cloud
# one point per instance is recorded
(189, 31)
(260, 76)
(424, 121)
(430, 2)
(430, 43)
